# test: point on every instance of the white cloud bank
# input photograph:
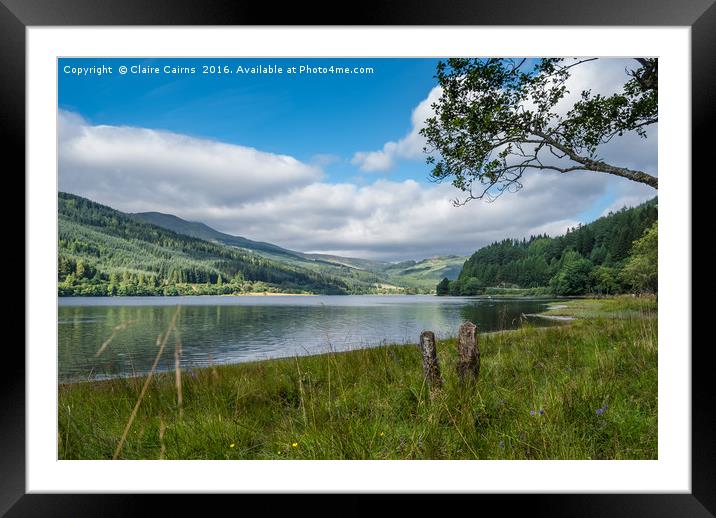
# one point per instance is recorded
(410, 147)
(139, 168)
(401, 220)
(276, 198)
(601, 76)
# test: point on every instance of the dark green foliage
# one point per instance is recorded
(443, 287)
(604, 280)
(642, 267)
(105, 252)
(573, 278)
(587, 259)
(202, 231)
(141, 249)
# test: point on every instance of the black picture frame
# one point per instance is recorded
(700, 15)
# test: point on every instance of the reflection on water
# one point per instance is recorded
(238, 329)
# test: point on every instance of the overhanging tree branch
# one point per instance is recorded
(494, 119)
(600, 166)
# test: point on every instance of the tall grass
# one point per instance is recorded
(161, 343)
(586, 390)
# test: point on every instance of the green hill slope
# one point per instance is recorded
(427, 272)
(205, 232)
(590, 258)
(104, 252)
(411, 275)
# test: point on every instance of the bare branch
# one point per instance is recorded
(598, 165)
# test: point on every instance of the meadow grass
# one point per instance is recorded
(612, 307)
(582, 390)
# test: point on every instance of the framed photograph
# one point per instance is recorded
(416, 254)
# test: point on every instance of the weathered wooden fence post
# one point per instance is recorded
(468, 365)
(431, 367)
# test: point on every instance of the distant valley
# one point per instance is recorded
(103, 251)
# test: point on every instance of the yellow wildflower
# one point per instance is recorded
(231, 445)
(295, 445)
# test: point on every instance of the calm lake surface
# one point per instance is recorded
(218, 330)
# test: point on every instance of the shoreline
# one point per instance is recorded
(276, 294)
(259, 294)
(579, 390)
(318, 354)
(203, 368)
(572, 306)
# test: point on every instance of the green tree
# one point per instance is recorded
(471, 286)
(497, 118)
(599, 254)
(641, 270)
(455, 288)
(573, 278)
(604, 280)
(443, 287)
(80, 269)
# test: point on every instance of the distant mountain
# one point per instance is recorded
(411, 274)
(203, 231)
(352, 262)
(427, 272)
(103, 251)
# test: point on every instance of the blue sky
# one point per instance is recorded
(317, 162)
(301, 115)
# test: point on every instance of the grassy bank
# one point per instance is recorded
(585, 390)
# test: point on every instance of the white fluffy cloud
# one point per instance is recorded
(629, 194)
(409, 147)
(406, 220)
(142, 169)
(601, 76)
(276, 198)
(607, 77)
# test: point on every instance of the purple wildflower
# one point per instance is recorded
(532, 412)
(541, 411)
(502, 444)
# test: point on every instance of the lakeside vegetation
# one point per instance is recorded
(583, 390)
(614, 254)
(577, 381)
(104, 252)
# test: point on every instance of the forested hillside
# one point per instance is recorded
(614, 254)
(362, 275)
(106, 252)
(412, 275)
(205, 232)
